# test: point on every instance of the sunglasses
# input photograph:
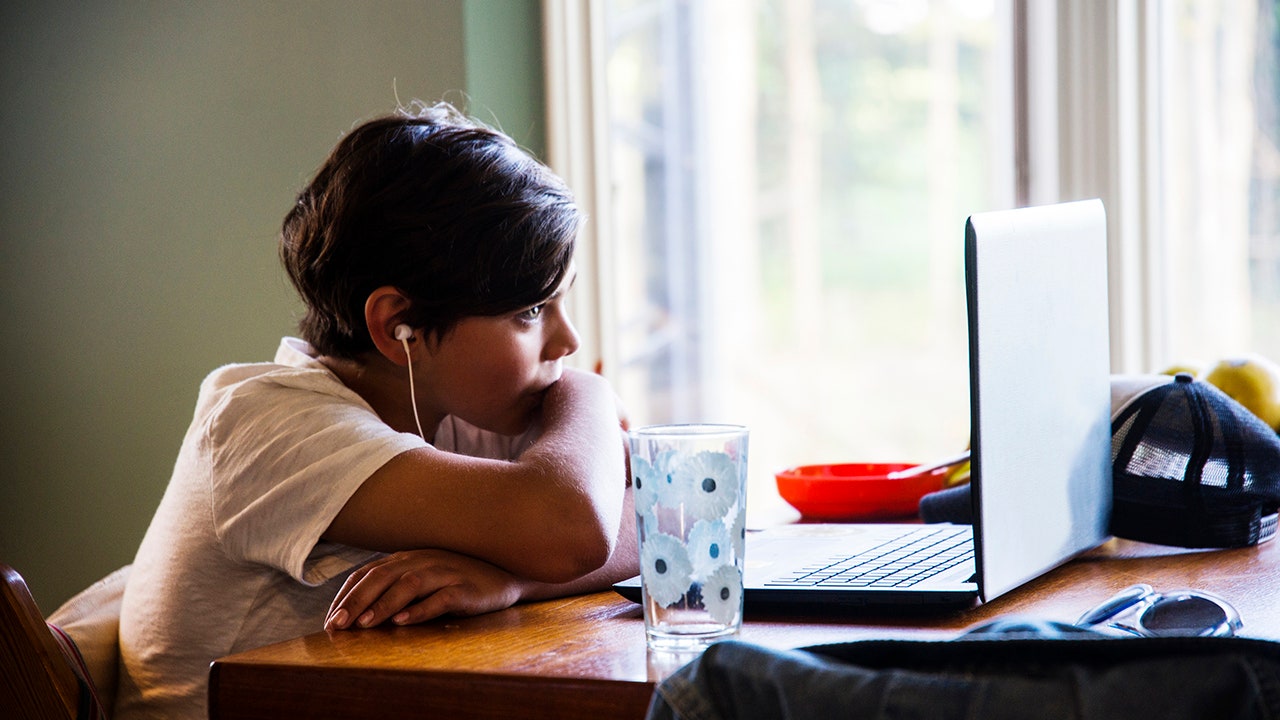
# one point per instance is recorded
(1141, 611)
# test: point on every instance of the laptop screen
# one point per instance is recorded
(1040, 388)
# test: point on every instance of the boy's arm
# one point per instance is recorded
(420, 585)
(552, 515)
(623, 563)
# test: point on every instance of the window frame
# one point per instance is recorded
(577, 149)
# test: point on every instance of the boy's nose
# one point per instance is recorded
(564, 340)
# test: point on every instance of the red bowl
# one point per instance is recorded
(856, 491)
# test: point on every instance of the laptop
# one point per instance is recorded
(1039, 374)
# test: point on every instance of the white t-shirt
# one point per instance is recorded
(233, 558)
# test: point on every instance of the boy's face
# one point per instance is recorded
(492, 371)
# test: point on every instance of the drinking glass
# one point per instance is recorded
(690, 486)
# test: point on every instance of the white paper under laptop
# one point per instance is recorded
(1041, 405)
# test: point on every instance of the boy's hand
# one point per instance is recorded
(443, 582)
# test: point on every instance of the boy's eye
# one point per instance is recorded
(532, 313)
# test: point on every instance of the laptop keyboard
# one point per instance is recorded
(901, 562)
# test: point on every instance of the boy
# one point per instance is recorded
(425, 412)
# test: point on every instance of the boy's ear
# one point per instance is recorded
(384, 309)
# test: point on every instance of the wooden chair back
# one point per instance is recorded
(36, 679)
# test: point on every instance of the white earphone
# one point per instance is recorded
(403, 333)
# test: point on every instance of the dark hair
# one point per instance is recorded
(451, 212)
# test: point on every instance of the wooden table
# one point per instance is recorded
(585, 657)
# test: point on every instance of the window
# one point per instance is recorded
(780, 186)
(790, 184)
(1219, 134)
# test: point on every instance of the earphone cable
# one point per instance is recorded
(413, 398)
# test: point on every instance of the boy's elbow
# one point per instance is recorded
(579, 549)
(577, 564)
(577, 534)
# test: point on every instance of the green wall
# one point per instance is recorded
(150, 150)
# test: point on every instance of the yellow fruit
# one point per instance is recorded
(957, 475)
(1192, 369)
(1253, 381)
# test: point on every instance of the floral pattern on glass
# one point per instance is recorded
(722, 594)
(702, 487)
(708, 482)
(665, 568)
(710, 547)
